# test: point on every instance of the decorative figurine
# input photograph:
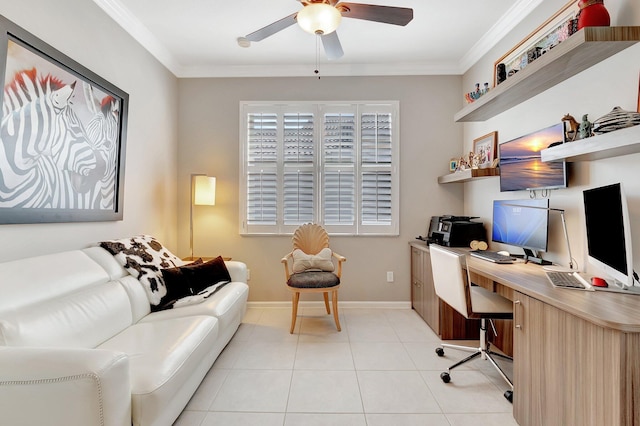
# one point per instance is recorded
(585, 128)
(501, 73)
(572, 132)
(472, 96)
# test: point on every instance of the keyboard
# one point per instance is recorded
(492, 256)
(567, 280)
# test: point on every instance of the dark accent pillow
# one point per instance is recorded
(207, 274)
(177, 285)
(191, 279)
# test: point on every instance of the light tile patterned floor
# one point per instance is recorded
(380, 370)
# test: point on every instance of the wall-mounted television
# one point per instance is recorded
(521, 166)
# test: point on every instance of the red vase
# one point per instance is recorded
(593, 14)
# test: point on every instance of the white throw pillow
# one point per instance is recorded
(318, 262)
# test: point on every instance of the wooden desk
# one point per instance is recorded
(576, 353)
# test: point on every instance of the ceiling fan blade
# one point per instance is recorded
(332, 46)
(386, 14)
(271, 29)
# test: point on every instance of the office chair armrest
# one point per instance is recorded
(285, 262)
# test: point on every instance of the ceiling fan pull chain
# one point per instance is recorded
(317, 70)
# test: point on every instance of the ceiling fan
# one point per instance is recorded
(322, 17)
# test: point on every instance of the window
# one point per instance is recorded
(329, 163)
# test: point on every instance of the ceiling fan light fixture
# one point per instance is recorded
(319, 18)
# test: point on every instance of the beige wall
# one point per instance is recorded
(208, 143)
(613, 82)
(82, 31)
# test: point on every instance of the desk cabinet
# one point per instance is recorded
(442, 318)
(569, 371)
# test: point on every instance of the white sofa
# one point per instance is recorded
(80, 347)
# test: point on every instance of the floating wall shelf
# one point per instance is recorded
(467, 175)
(582, 50)
(612, 144)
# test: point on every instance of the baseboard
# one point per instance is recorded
(341, 305)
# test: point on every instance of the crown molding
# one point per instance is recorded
(132, 25)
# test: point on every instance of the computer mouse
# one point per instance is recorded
(599, 282)
(504, 253)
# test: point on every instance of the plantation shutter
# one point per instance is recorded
(332, 164)
(377, 173)
(262, 161)
(339, 186)
(299, 160)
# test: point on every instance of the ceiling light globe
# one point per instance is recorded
(319, 18)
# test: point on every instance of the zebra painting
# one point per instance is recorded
(62, 136)
(46, 160)
(102, 130)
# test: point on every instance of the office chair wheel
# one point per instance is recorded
(509, 395)
(440, 351)
(445, 377)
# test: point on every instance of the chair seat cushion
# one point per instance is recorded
(313, 279)
(490, 304)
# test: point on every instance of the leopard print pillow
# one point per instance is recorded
(144, 258)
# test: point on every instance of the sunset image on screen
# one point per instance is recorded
(521, 166)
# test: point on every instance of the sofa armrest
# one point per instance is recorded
(237, 270)
(64, 386)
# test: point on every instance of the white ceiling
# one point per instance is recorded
(198, 38)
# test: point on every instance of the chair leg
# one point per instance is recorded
(334, 300)
(326, 301)
(294, 310)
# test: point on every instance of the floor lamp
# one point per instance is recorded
(203, 193)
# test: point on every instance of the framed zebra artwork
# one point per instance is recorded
(62, 136)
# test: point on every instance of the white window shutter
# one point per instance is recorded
(328, 163)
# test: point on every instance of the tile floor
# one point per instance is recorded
(380, 370)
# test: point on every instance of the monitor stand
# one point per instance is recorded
(532, 256)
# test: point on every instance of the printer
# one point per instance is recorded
(455, 231)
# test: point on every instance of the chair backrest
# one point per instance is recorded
(450, 278)
(310, 238)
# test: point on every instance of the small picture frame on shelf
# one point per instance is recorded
(453, 164)
(485, 148)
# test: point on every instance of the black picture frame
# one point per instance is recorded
(62, 135)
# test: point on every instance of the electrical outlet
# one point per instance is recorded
(389, 276)
(248, 274)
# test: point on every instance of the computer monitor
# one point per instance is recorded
(608, 232)
(522, 223)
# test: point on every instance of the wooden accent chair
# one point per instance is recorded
(310, 268)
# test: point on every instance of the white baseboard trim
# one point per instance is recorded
(320, 304)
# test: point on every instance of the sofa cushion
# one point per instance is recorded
(163, 356)
(37, 279)
(144, 258)
(83, 319)
(228, 305)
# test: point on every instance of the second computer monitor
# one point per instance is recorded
(522, 223)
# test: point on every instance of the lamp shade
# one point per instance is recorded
(204, 190)
(319, 18)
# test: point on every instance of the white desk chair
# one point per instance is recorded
(452, 285)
